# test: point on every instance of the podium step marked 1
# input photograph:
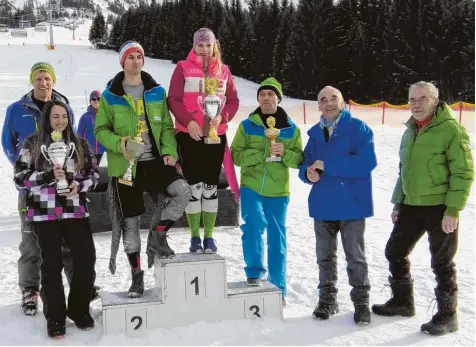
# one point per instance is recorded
(189, 288)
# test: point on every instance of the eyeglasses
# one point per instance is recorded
(95, 99)
(423, 100)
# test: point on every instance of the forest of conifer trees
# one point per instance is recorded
(370, 49)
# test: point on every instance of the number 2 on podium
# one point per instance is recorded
(197, 289)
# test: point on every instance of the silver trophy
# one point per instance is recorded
(56, 154)
(212, 106)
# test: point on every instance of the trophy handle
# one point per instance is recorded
(72, 148)
(222, 106)
(200, 104)
(44, 152)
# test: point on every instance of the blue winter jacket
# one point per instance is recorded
(86, 131)
(344, 191)
(22, 119)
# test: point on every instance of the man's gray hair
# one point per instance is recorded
(428, 86)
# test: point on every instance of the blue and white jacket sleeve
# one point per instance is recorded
(8, 139)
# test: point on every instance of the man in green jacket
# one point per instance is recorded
(265, 183)
(436, 174)
(134, 102)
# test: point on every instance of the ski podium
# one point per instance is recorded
(189, 288)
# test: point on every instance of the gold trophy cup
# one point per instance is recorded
(134, 147)
(272, 134)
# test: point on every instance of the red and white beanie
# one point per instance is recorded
(129, 47)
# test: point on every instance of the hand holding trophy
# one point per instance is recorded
(272, 134)
(135, 147)
(211, 106)
(56, 154)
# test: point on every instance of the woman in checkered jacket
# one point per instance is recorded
(55, 217)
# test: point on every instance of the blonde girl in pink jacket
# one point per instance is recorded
(201, 163)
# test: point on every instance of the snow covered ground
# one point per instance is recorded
(80, 70)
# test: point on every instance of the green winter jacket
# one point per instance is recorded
(436, 164)
(250, 148)
(117, 117)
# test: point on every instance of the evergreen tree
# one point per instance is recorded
(372, 50)
(282, 39)
(98, 30)
(307, 72)
(459, 62)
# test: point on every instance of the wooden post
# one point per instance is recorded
(304, 109)
(383, 112)
(460, 112)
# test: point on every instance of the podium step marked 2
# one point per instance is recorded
(189, 288)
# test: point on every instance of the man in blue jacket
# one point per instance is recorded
(338, 160)
(22, 120)
(86, 125)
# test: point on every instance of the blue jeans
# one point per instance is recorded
(260, 213)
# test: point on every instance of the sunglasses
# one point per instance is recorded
(95, 99)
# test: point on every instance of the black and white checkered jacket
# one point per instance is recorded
(43, 204)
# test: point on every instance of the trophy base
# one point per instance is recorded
(63, 191)
(273, 159)
(212, 140)
(125, 182)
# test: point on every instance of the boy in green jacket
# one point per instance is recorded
(436, 174)
(264, 186)
(134, 102)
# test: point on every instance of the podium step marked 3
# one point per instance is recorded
(189, 288)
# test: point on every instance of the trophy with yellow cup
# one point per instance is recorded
(272, 134)
(134, 147)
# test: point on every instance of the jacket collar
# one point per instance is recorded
(115, 85)
(255, 116)
(442, 113)
(343, 124)
(198, 60)
(27, 99)
(91, 110)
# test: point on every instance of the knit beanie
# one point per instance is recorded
(94, 94)
(42, 66)
(129, 47)
(272, 84)
(203, 35)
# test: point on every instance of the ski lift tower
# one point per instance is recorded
(52, 6)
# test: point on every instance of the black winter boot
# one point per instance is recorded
(445, 320)
(325, 309)
(137, 287)
(362, 314)
(402, 302)
(157, 244)
(56, 330)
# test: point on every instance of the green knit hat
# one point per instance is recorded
(42, 66)
(272, 84)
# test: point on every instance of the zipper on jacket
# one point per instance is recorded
(264, 156)
(34, 117)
